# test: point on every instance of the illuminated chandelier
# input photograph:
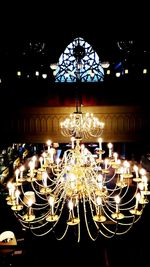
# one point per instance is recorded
(55, 194)
(108, 194)
(81, 125)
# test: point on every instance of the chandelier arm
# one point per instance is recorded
(110, 236)
(79, 228)
(59, 177)
(128, 208)
(96, 224)
(108, 230)
(127, 230)
(114, 206)
(22, 222)
(37, 204)
(63, 200)
(63, 235)
(96, 134)
(137, 218)
(54, 186)
(85, 217)
(65, 155)
(37, 183)
(107, 215)
(112, 191)
(130, 216)
(53, 226)
(60, 214)
(116, 232)
(37, 219)
(60, 199)
(43, 233)
(51, 180)
(56, 171)
(120, 223)
(134, 220)
(130, 200)
(108, 180)
(56, 190)
(41, 205)
(38, 194)
(122, 197)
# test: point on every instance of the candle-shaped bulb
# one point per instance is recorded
(99, 201)
(110, 147)
(51, 202)
(49, 144)
(100, 181)
(106, 163)
(17, 193)
(142, 171)
(72, 142)
(57, 161)
(117, 200)
(144, 181)
(135, 168)
(100, 143)
(70, 205)
(31, 165)
(138, 195)
(115, 155)
(22, 168)
(17, 174)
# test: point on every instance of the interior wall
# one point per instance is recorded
(38, 124)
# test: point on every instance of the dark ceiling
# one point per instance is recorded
(31, 39)
(46, 50)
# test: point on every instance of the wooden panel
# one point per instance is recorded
(37, 124)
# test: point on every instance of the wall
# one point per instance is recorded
(37, 124)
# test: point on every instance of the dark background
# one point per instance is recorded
(102, 28)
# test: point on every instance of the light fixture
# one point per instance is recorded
(118, 74)
(18, 73)
(80, 125)
(106, 194)
(37, 73)
(108, 72)
(144, 71)
(126, 71)
(44, 75)
(105, 64)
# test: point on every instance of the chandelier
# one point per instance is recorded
(81, 125)
(53, 194)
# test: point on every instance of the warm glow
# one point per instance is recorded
(80, 185)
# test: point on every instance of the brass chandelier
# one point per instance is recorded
(55, 194)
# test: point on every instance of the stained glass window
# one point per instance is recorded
(79, 62)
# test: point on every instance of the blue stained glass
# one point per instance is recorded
(77, 61)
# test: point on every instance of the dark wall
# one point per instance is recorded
(39, 92)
